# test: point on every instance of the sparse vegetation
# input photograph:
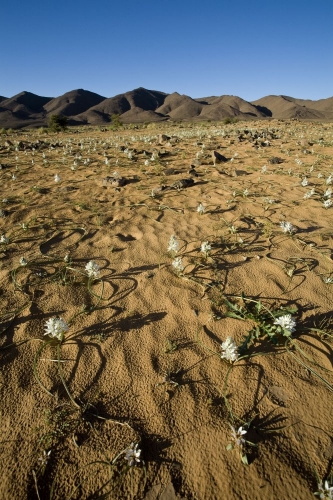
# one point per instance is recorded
(57, 123)
(163, 315)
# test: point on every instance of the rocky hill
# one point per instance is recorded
(83, 107)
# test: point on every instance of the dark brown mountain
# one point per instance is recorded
(22, 110)
(139, 105)
(25, 102)
(180, 107)
(73, 103)
(218, 108)
(324, 105)
(288, 107)
(139, 99)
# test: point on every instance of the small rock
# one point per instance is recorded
(275, 160)
(162, 138)
(218, 158)
(113, 181)
(182, 183)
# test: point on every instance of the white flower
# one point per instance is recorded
(173, 244)
(201, 209)
(4, 239)
(177, 264)
(269, 200)
(230, 350)
(237, 435)
(13, 177)
(327, 279)
(132, 454)
(328, 193)
(44, 458)
(287, 322)
(55, 327)
(57, 178)
(287, 227)
(329, 179)
(92, 269)
(305, 182)
(146, 163)
(23, 261)
(325, 491)
(205, 247)
(246, 192)
(264, 169)
(327, 203)
(308, 194)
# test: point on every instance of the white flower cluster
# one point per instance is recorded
(177, 264)
(328, 193)
(304, 182)
(132, 454)
(4, 239)
(201, 209)
(237, 436)
(287, 227)
(205, 248)
(325, 491)
(229, 350)
(44, 458)
(173, 244)
(287, 322)
(55, 328)
(308, 194)
(92, 269)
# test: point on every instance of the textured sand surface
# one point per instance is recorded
(142, 357)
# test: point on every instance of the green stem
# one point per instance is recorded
(62, 378)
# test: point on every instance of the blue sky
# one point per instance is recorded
(249, 48)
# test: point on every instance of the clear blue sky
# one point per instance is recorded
(248, 48)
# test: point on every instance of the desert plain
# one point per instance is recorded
(138, 398)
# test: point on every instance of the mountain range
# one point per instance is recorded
(83, 107)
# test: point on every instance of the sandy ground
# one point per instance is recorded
(141, 361)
